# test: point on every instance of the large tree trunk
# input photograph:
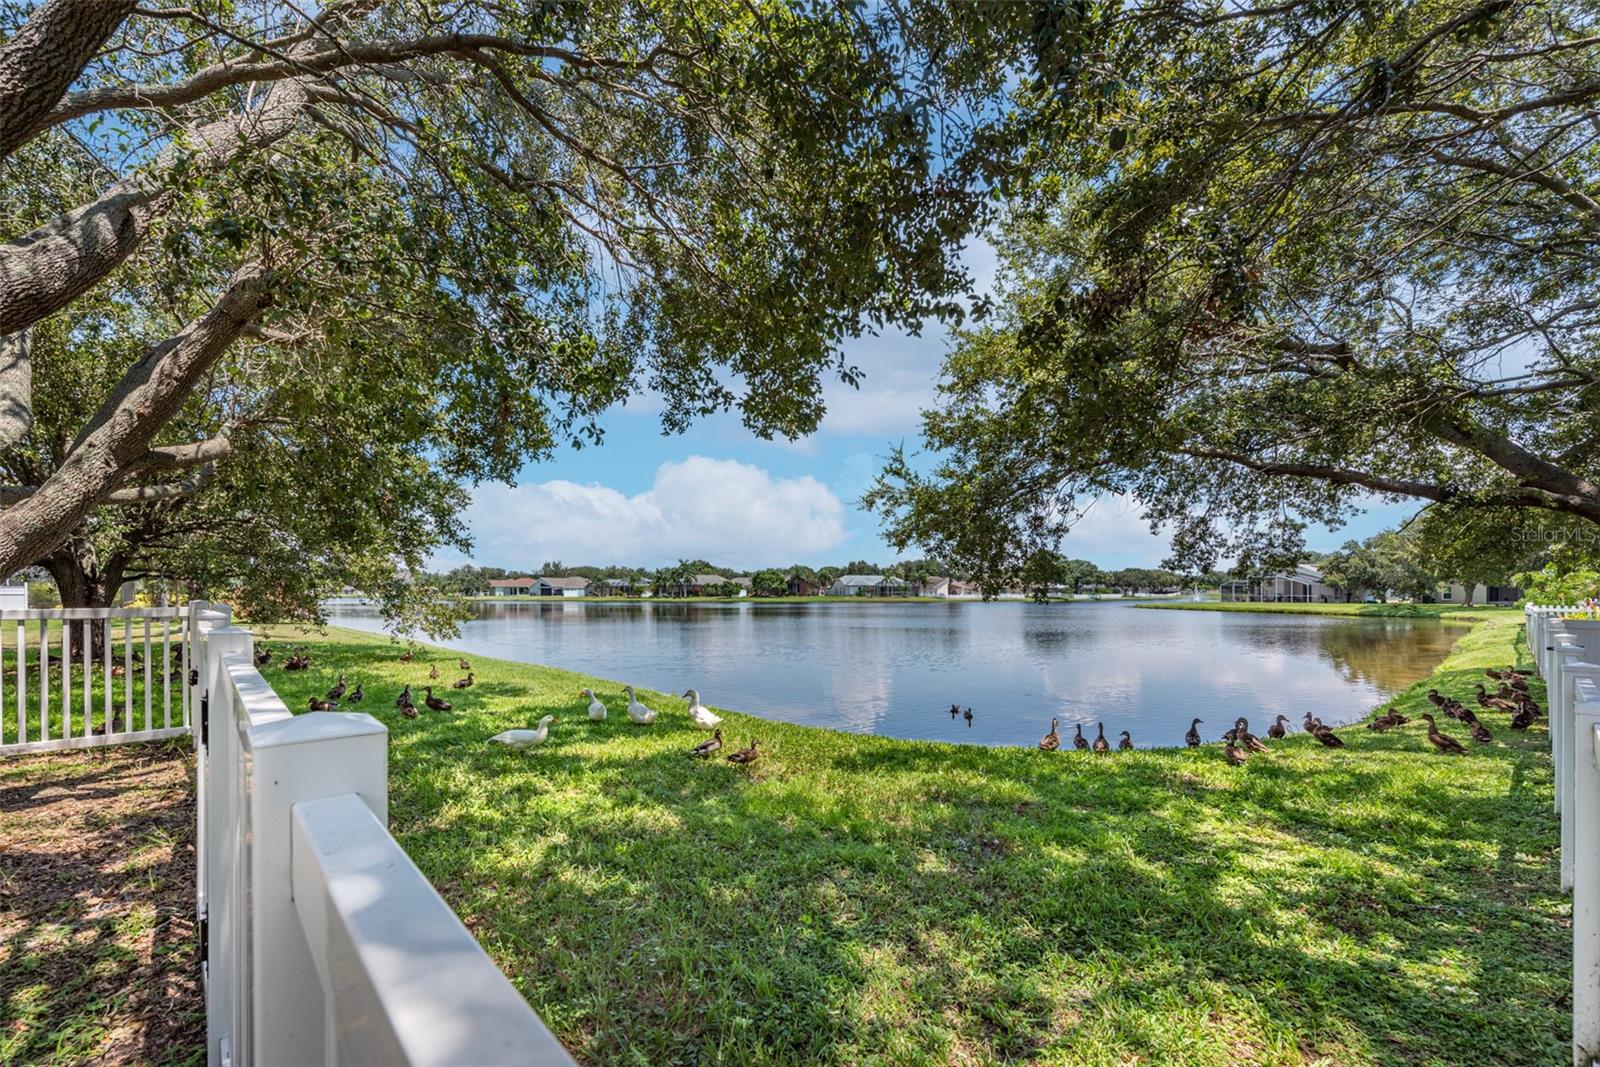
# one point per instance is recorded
(117, 443)
(45, 56)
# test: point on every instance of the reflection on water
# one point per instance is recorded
(895, 669)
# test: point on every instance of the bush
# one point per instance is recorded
(1558, 583)
(43, 595)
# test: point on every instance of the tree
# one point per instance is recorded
(575, 200)
(768, 582)
(1271, 262)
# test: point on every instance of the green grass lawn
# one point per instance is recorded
(858, 900)
(1393, 611)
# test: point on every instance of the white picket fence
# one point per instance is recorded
(323, 942)
(1566, 653)
(49, 666)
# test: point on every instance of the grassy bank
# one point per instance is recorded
(858, 900)
(1454, 612)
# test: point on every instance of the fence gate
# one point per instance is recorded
(81, 677)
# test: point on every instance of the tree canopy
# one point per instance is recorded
(1265, 264)
(477, 225)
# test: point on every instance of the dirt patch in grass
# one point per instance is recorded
(98, 962)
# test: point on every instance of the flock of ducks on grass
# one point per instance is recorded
(702, 717)
(1239, 742)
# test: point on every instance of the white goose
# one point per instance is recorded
(702, 717)
(641, 715)
(597, 708)
(526, 738)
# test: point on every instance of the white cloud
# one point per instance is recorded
(1114, 532)
(716, 509)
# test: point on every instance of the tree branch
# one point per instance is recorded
(42, 59)
(16, 388)
(119, 437)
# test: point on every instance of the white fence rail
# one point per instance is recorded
(79, 677)
(1566, 653)
(323, 943)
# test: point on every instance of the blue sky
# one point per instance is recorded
(719, 493)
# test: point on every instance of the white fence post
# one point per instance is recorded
(1585, 817)
(218, 850)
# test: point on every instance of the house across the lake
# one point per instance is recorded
(934, 585)
(869, 585)
(1456, 593)
(541, 586)
(616, 587)
(1301, 585)
(798, 585)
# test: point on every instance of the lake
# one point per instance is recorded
(895, 669)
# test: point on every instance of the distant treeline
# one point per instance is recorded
(1046, 572)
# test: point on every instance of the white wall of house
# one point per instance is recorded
(14, 597)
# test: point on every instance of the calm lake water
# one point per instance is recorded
(895, 669)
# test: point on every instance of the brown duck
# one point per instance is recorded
(323, 705)
(433, 672)
(1276, 731)
(435, 703)
(709, 746)
(405, 657)
(1192, 738)
(1126, 744)
(1052, 740)
(464, 683)
(1233, 755)
(1243, 736)
(338, 689)
(1080, 742)
(1101, 745)
(744, 756)
(409, 710)
(1443, 742)
(1480, 732)
(463, 664)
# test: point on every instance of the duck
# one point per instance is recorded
(1080, 742)
(1500, 703)
(1234, 756)
(744, 755)
(955, 711)
(262, 657)
(461, 661)
(967, 714)
(1523, 719)
(702, 717)
(1192, 738)
(1325, 735)
(404, 698)
(1052, 740)
(357, 695)
(1277, 731)
(597, 707)
(1382, 723)
(637, 712)
(1243, 736)
(405, 657)
(409, 710)
(710, 746)
(1443, 742)
(1126, 744)
(1101, 745)
(433, 672)
(338, 689)
(435, 703)
(520, 739)
(1436, 698)
(323, 705)
(464, 683)
(1480, 732)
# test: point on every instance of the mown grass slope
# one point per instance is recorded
(858, 900)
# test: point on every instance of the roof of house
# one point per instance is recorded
(740, 580)
(566, 583)
(512, 583)
(708, 579)
(860, 579)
